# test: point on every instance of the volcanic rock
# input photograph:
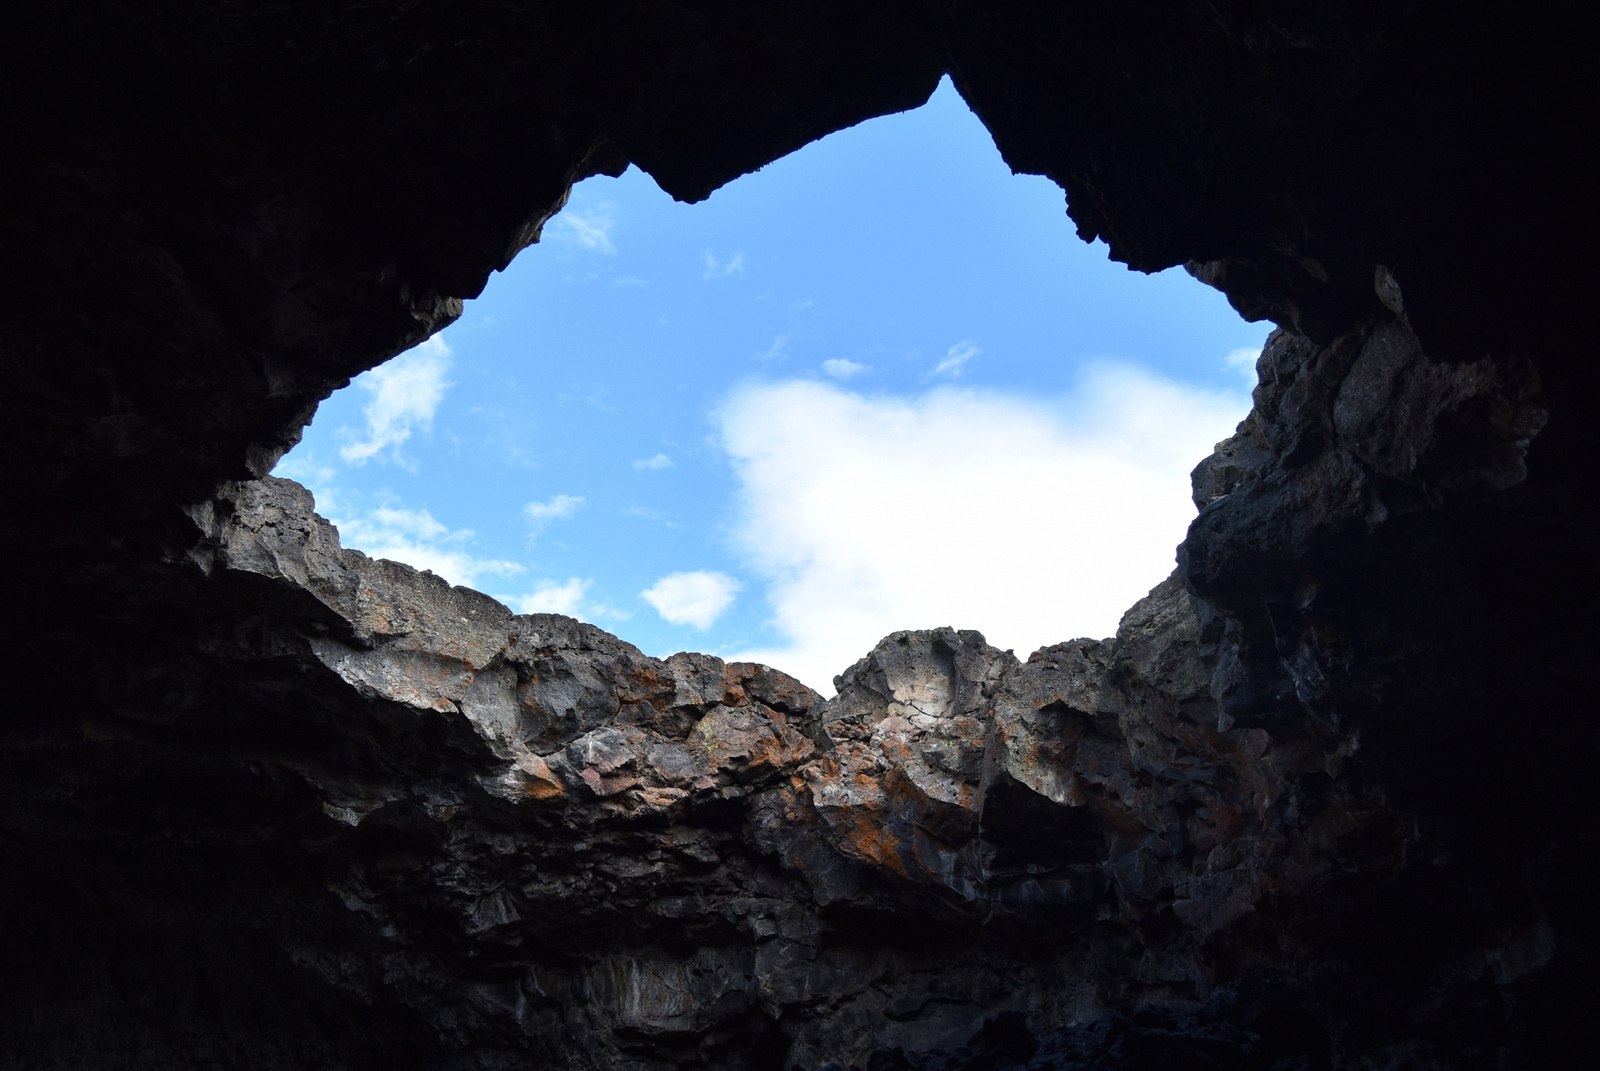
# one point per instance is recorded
(1321, 802)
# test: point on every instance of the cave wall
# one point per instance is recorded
(1320, 803)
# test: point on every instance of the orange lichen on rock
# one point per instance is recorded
(537, 780)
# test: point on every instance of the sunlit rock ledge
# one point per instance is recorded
(947, 789)
(551, 844)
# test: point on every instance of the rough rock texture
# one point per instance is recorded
(532, 841)
(1321, 803)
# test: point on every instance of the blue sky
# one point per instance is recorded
(879, 384)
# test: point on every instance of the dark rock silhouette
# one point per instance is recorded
(1322, 802)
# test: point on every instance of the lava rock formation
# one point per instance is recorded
(1322, 801)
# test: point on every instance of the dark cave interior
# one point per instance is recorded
(1321, 803)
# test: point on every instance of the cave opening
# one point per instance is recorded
(773, 425)
(1322, 802)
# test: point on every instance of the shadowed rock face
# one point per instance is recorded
(1320, 803)
(533, 840)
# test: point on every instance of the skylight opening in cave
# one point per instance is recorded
(879, 384)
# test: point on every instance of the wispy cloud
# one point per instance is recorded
(840, 368)
(1031, 520)
(660, 461)
(302, 467)
(391, 530)
(404, 394)
(569, 597)
(552, 597)
(586, 228)
(417, 538)
(722, 269)
(777, 351)
(955, 360)
(596, 399)
(648, 514)
(1243, 361)
(416, 524)
(624, 282)
(558, 508)
(696, 599)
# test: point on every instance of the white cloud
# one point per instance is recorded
(304, 469)
(1033, 521)
(955, 359)
(839, 368)
(569, 597)
(558, 508)
(550, 597)
(696, 599)
(419, 540)
(719, 269)
(405, 392)
(660, 461)
(415, 524)
(588, 229)
(390, 530)
(1243, 361)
